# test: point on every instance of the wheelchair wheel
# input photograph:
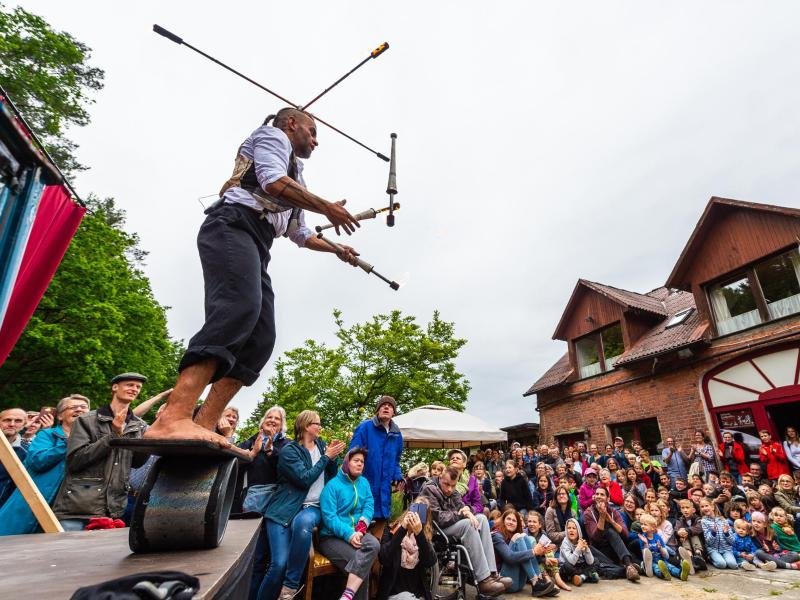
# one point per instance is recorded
(445, 584)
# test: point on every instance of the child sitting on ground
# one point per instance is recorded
(576, 561)
(746, 550)
(689, 535)
(544, 550)
(656, 553)
(718, 535)
(765, 538)
(783, 530)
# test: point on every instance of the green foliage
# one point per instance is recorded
(98, 318)
(390, 354)
(46, 75)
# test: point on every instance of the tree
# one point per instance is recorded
(390, 354)
(45, 73)
(98, 318)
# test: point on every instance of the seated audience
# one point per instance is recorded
(718, 535)
(557, 515)
(606, 533)
(746, 550)
(456, 520)
(587, 489)
(783, 530)
(466, 485)
(346, 505)
(515, 555)
(765, 538)
(656, 553)
(544, 550)
(689, 535)
(575, 559)
(406, 554)
(514, 490)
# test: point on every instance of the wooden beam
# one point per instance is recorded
(41, 510)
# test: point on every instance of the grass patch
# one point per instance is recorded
(775, 593)
(709, 590)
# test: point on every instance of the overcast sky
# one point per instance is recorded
(538, 143)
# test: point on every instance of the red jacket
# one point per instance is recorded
(614, 492)
(738, 457)
(774, 457)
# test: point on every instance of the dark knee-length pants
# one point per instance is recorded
(239, 330)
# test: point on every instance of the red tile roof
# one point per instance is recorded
(658, 340)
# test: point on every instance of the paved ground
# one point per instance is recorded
(711, 585)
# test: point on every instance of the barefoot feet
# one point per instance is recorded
(183, 429)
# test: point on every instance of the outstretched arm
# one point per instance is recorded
(142, 409)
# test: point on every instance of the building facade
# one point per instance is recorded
(718, 347)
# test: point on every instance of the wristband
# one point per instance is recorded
(361, 527)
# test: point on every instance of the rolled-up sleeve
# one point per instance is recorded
(300, 235)
(271, 151)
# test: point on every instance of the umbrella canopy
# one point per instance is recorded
(439, 427)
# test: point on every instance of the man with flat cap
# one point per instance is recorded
(97, 475)
(382, 437)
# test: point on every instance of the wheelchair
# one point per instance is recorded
(452, 572)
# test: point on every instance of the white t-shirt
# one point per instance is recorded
(315, 491)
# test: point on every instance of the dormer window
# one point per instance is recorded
(769, 290)
(597, 352)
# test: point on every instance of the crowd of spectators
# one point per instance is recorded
(547, 517)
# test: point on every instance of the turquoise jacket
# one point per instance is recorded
(45, 462)
(343, 503)
(295, 476)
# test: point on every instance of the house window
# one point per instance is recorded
(598, 351)
(780, 282)
(645, 430)
(679, 317)
(769, 290)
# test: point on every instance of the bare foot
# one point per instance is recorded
(183, 429)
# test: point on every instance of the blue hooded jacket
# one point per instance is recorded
(343, 502)
(383, 460)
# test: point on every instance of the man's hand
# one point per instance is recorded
(334, 449)
(683, 533)
(339, 217)
(355, 539)
(348, 255)
(118, 424)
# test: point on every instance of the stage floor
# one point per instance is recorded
(54, 565)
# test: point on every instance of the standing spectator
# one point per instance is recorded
(228, 422)
(262, 481)
(791, 446)
(702, 454)
(773, 456)
(406, 554)
(90, 457)
(606, 532)
(457, 520)
(45, 462)
(619, 453)
(514, 490)
(346, 505)
(381, 436)
(675, 459)
(731, 454)
(292, 513)
(12, 422)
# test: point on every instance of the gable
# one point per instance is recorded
(731, 234)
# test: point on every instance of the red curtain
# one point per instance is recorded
(57, 219)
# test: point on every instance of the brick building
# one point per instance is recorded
(718, 347)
